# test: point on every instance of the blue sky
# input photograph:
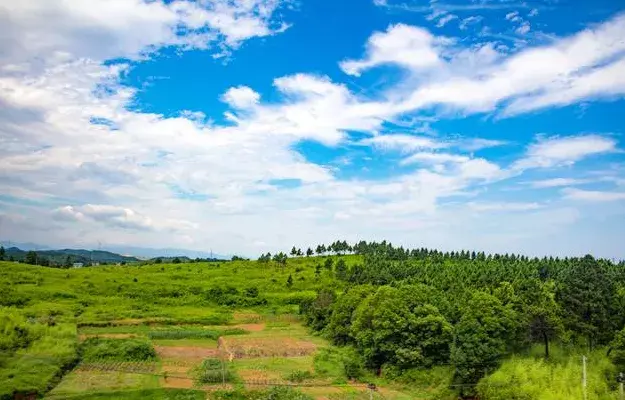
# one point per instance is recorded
(251, 126)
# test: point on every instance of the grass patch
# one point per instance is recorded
(100, 349)
(95, 381)
(152, 394)
(176, 334)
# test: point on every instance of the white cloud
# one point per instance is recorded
(466, 22)
(557, 182)
(444, 20)
(241, 97)
(523, 29)
(401, 142)
(566, 71)
(533, 12)
(404, 45)
(119, 217)
(53, 32)
(558, 151)
(475, 144)
(434, 158)
(513, 16)
(592, 195)
(508, 206)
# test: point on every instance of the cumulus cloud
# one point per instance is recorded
(118, 217)
(242, 97)
(53, 32)
(404, 45)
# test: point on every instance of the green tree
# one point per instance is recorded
(482, 337)
(339, 328)
(617, 349)
(293, 252)
(2, 253)
(317, 312)
(317, 270)
(68, 261)
(341, 270)
(309, 252)
(289, 281)
(544, 315)
(31, 258)
(176, 261)
(328, 264)
(587, 296)
(388, 331)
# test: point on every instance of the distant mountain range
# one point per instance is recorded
(113, 253)
(75, 256)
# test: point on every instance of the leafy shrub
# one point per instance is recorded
(214, 370)
(230, 296)
(98, 349)
(298, 376)
(15, 332)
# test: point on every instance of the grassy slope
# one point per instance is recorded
(103, 300)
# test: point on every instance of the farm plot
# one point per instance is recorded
(243, 347)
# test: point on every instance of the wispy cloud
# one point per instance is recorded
(449, 7)
(593, 195)
(557, 182)
(558, 151)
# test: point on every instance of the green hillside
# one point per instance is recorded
(417, 324)
(65, 257)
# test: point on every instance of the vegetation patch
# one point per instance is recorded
(194, 333)
(265, 347)
(99, 349)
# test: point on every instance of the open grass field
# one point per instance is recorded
(242, 313)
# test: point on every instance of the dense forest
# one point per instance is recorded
(404, 309)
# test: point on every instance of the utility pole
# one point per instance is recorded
(584, 376)
(372, 388)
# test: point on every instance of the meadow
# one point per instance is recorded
(335, 326)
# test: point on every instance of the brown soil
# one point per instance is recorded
(250, 327)
(194, 353)
(242, 347)
(247, 317)
(176, 382)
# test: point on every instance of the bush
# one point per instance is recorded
(298, 376)
(214, 370)
(99, 349)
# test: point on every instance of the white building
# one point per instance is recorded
(77, 265)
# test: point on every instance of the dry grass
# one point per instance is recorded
(244, 347)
